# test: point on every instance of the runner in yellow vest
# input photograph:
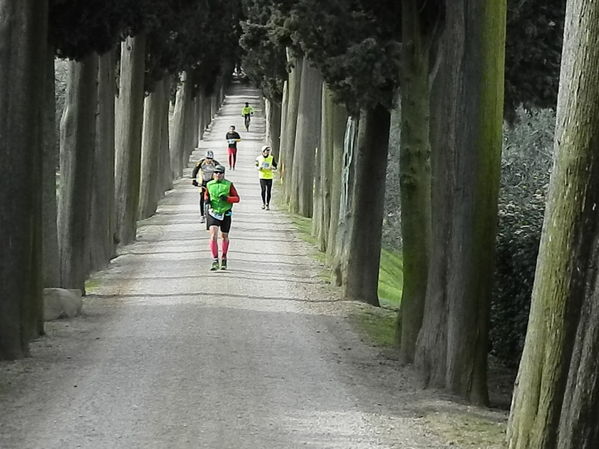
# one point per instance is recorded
(266, 164)
(246, 112)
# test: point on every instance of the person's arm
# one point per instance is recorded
(194, 173)
(237, 136)
(274, 163)
(233, 196)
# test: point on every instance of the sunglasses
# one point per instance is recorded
(219, 172)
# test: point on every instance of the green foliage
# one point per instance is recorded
(533, 52)
(264, 59)
(525, 176)
(354, 44)
(77, 28)
(198, 36)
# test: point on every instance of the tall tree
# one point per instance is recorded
(556, 400)
(452, 345)
(419, 26)
(306, 140)
(128, 136)
(78, 134)
(22, 53)
(103, 213)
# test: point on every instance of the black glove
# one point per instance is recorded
(224, 197)
(195, 183)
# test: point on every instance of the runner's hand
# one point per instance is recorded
(195, 183)
(224, 197)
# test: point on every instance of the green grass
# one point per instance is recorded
(304, 226)
(91, 284)
(390, 279)
(377, 324)
(390, 271)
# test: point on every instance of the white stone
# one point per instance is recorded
(61, 303)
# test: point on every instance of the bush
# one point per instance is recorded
(526, 165)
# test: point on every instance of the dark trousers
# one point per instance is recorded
(265, 187)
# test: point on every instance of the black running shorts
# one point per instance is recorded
(224, 224)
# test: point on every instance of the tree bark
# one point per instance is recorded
(274, 128)
(368, 205)
(103, 212)
(150, 152)
(78, 131)
(288, 140)
(556, 400)
(460, 280)
(282, 155)
(128, 136)
(23, 58)
(415, 176)
(165, 158)
(51, 261)
(347, 169)
(306, 140)
(178, 128)
(325, 166)
(336, 126)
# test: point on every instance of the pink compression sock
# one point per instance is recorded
(225, 248)
(214, 249)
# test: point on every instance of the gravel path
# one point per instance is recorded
(171, 355)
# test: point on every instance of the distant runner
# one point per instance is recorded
(247, 111)
(206, 167)
(232, 138)
(220, 195)
(266, 164)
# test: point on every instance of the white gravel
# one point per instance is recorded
(171, 355)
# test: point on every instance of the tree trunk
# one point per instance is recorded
(150, 151)
(556, 400)
(342, 233)
(178, 128)
(282, 155)
(128, 135)
(295, 77)
(103, 213)
(368, 204)
(165, 158)
(306, 140)
(415, 176)
(322, 207)
(78, 131)
(188, 122)
(51, 264)
(274, 128)
(459, 291)
(336, 126)
(23, 58)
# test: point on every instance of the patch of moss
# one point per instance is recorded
(91, 284)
